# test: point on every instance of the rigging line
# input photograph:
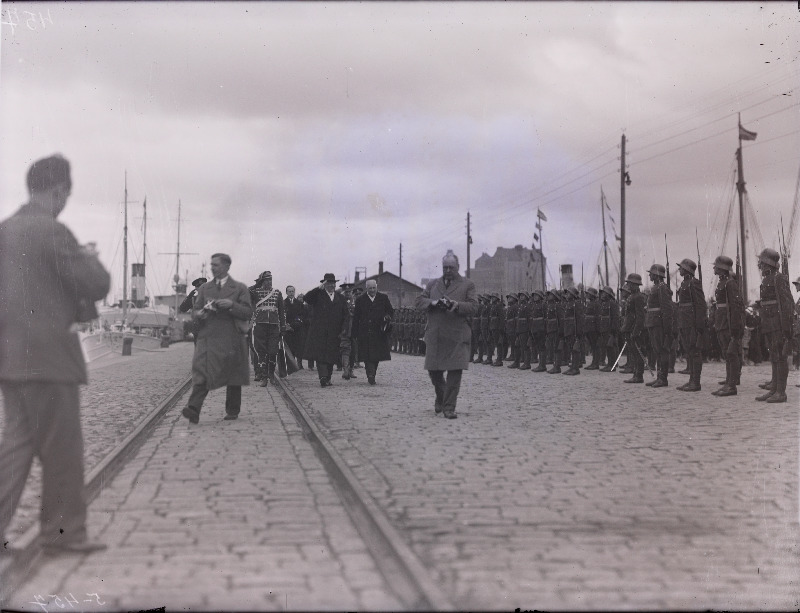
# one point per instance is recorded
(727, 195)
(658, 155)
(727, 101)
(715, 121)
(753, 221)
(528, 195)
(769, 140)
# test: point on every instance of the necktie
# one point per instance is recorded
(219, 285)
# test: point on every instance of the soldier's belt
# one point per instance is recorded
(686, 305)
(764, 302)
(540, 319)
(724, 305)
(653, 310)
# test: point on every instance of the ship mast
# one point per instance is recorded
(125, 259)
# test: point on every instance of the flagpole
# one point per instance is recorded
(541, 247)
(740, 184)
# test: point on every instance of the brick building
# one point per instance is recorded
(509, 270)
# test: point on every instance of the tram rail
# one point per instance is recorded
(28, 551)
(403, 572)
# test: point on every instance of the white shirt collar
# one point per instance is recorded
(223, 280)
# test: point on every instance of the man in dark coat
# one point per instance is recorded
(371, 319)
(448, 301)
(329, 327)
(47, 283)
(223, 311)
(295, 336)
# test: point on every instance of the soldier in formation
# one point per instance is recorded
(776, 322)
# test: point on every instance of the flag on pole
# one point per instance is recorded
(746, 134)
(538, 226)
(542, 216)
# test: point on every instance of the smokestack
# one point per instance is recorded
(380, 268)
(358, 274)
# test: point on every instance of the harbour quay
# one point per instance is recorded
(547, 492)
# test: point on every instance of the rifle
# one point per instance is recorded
(666, 253)
(784, 252)
(619, 357)
(699, 265)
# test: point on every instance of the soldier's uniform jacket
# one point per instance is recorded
(623, 309)
(776, 304)
(729, 312)
(475, 322)
(659, 308)
(536, 317)
(497, 317)
(511, 319)
(554, 317)
(422, 321)
(523, 318)
(573, 318)
(691, 305)
(590, 316)
(267, 306)
(607, 316)
(634, 313)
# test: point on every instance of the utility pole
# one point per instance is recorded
(400, 289)
(740, 184)
(125, 259)
(469, 242)
(605, 240)
(623, 179)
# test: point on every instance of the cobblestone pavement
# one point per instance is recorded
(120, 392)
(556, 492)
(223, 515)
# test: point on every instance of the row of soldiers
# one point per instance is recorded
(408, 330)
(558, 326)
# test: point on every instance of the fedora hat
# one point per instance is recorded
(329, 276)
(199, 281)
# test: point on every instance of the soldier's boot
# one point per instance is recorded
(689, 370)
(780, 388)
(774, 384)
(694, 378)
(636, 378)
(556, 365)
(514, 358)
(574, 367)
(526, 359)
(500, 353)
(541, 366)
(661, 379)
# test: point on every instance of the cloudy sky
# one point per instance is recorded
(312, 138)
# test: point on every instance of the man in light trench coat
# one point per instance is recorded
(448, 301)
(222, 309)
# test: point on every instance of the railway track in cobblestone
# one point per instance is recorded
(400, 567)
(28, 551)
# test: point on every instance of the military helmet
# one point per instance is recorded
(688, 265)
(574, 291)
(609, 290)
(592, 292)
(658, 270)
(539, 293)
(512, 297)
(770, 257)
(634, 278)
(723, 262)
(524, 295)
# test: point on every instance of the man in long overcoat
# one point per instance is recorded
(330, 327)
(448, 301)
(371, 318)
(47, 283)
(222, 309)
